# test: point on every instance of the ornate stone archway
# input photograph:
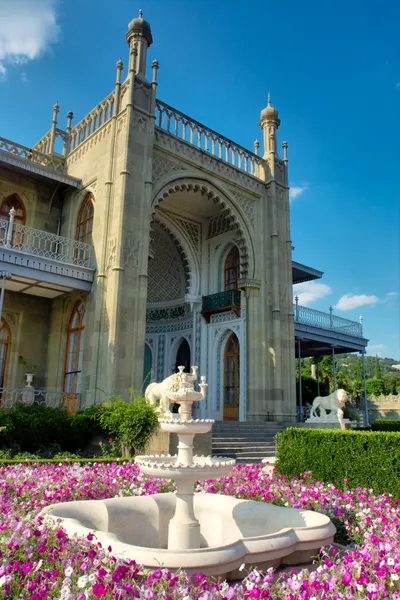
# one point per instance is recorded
(202, 186)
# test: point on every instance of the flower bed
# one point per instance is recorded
(38, 562)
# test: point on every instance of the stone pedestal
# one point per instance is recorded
(163, 442)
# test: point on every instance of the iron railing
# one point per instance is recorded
(44, 244)
(46, 160)
(221, 301)
(10, 397)
(322, 320)
(188, 130)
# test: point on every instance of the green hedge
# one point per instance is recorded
(386, 425)
(365, 458)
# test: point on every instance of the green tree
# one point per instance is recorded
(359, 376)
(378, 374)
(375, 387)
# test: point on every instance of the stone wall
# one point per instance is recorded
(384, 407)
(29, 320)
(35, 197)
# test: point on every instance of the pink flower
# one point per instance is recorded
(99, 590)
(347, 577)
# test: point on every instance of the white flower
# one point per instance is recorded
(242, 566)
(69, 571)
(2, 580)
(92, 577)
(395, 577)
(82, 581)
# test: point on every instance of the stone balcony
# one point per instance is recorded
(319, 332)
(221, 302)
(42, 263)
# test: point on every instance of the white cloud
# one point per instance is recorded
(392, 294)
(376, 349)
(296, 191)
(350, 301)
(27, 28)
(309, 292)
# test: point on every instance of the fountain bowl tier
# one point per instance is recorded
(195, 426)
(170, 467)
(232, 532)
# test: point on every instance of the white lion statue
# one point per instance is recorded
(333, 402)
(160, 392)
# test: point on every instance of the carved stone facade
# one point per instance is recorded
(172, 200)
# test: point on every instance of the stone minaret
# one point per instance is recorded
(139, 33)
(269, 123)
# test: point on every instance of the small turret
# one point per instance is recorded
(269, 123)
(139, 32)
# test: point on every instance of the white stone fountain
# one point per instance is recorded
(196, 532)
(184, 468)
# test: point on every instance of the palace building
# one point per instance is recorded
(139, 240)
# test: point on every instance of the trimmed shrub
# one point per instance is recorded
(369, 459)
(34, 426)
(83, 427)
(130, 423)
(386, 425)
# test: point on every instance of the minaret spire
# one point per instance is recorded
(139, 33)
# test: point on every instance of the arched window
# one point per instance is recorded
(73, 358)
(84, 226)
(231, 270)
(13, 202)
(5, 342)
(231, 379)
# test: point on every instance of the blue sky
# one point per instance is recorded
(333, 70)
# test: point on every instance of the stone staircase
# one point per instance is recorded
(248, 442)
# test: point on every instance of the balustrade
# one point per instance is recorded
(183, 127)
(221, 301)
(322, 320)
(10, 397)
(44, 244)
(92, 122)
(39, 157)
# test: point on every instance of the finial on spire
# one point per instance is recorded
(269, 98)
(140, 13)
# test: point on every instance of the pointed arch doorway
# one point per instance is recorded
(231, 378)
(183, 356)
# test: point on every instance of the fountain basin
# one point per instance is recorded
(232, 532)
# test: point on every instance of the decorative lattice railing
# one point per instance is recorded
(322, 320)
(93, 121)
(46, 160)
(10, 397)
(221, 301)
(44, 244)
(183, 127)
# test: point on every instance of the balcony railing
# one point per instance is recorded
(220, 302)
(10, 397)
(56, 163)
(44, 244)
(322, 320)
(187, 129)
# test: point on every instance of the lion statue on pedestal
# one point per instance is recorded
(333, 402)
(160, 392)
